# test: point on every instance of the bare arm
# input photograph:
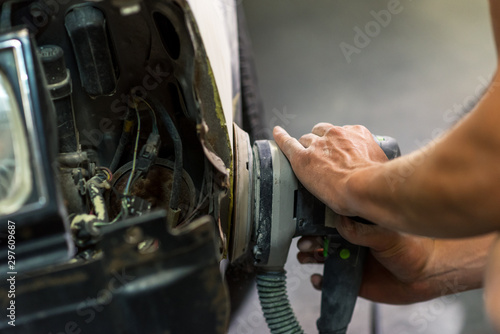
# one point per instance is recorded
(450, 188)
(492, 286)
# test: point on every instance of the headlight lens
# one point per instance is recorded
(15, 172)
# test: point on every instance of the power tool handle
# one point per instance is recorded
(343, 268)
(389, 145)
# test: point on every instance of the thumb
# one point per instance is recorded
(372, 236)
(317, 281)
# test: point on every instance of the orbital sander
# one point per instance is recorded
(272, 208)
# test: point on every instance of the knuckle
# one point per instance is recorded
(288, 141)
(361, 129)
(306, 138)
(334, 131)
(322, 125)
(355, 127)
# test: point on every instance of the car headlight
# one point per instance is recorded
(29, 192)
(15, 173)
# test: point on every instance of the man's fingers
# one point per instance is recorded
(309, 244)
(321, 128)
(306, 140)
(317, 281)
(288, 144)
(315, 256)
(357, 128)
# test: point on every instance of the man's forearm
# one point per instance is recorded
(444, 189)
(459, 264)
(449, 188)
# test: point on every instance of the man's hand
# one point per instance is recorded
(325, 159)
(402, 268)
(396, 269)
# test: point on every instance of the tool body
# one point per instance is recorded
(284, 209)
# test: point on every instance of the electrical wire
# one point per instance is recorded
(106, 171)
(111, 222)
(128, 124)
(152, 113)
(194, 211)
(134, 161)
(177, 177)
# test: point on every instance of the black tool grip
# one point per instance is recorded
(389, 145)
(343, 269)
(342, 276)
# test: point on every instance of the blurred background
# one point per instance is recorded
(407, 69)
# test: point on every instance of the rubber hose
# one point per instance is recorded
(124, 138)
(176, 140)
(271, 287)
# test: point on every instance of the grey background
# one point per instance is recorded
(411, 81)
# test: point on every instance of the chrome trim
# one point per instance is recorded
(27, 103)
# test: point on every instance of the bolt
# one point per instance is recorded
(36, 11)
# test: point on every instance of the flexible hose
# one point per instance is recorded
(128, 124)
(124, 138)
(271, 287)
(176, 139)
